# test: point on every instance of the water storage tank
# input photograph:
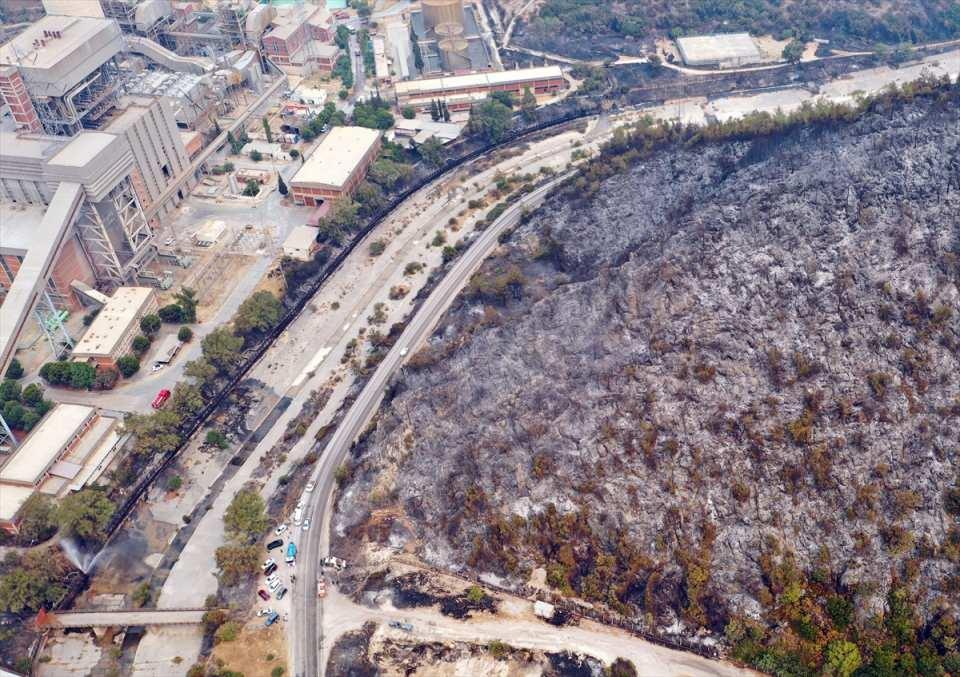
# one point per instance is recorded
(439, 12)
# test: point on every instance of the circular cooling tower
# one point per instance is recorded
(453, 51)
(440, 12)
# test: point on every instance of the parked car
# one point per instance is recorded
(291, 552)
(267, 562)
(270, 569)
(273, 585)
(273, 545)
(306, 524)
(266, 611)
(161, 398)
(280, 529)
(399, 625)
(264, 595)
(321, 588)
(271, 619)
(280, 593)
(298, 515)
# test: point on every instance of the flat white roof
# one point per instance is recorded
(75, 32)
(12, 497)
(717, 47)
(44, 444)
(113, 321)
(82, 148)
(20, 222)
(493, 79)
(337, 157)
(300, 239)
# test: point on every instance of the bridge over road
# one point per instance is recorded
(100, 618)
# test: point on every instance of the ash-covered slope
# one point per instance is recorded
(729, 383)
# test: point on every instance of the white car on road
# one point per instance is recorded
(310, 487)
(280, 529)
(306, 524)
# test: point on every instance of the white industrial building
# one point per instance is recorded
(727, 50)
(111, 333)
(68, 449)
(337, 166)
(301, 243)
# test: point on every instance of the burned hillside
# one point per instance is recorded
(714, 382)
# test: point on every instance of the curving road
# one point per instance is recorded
(307, 608)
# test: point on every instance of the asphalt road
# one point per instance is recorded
(307, 608)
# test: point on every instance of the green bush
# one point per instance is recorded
(227, 632)
(150, 324)
(217, 439)
(174, 483)
(15, 370)
(140, 344)
(77, 375)
(185, 334)
(128, 365)
(171, 313)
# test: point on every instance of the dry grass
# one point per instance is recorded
(248, 653)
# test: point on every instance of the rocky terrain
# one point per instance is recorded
(714, 385)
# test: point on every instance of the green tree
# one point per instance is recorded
(490, 120)
(85, 514)
(9, 391)
(528, 105)
(186, 400)
(186, 298)
(266, 129)
(221, 348)
(150, 324)
(82, 375)
(32, 394)
(15, 370)
(156, 433)
(185, 334)
(128, 365)
(389, 174)
(294, 153)
(842, 658)
(228, 632)
(431, 151)
(793, 52)
(38, 519)
(201, 370)
(172, 313)
(506, 98)
(35, 584)
(434, 110)
(237, 562)
(174, 483)
(246, 516)
(417, 54)
(281, 186)
(216, 438)
(140, 344)
(258, 313)
(256, 156)
(408, 112)
(444, 111)
(252, 188)
(13, 413)
(342, 37)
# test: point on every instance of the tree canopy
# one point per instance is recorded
(85, 514)
(246, 516)
(221, 348)
(490, 120)
(258, 313)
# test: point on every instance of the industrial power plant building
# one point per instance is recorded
(726, 50)
(337, 166)
(460, 92)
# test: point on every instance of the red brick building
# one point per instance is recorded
(337, 166)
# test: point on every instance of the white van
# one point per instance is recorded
(298, 515)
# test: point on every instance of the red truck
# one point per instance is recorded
(161, 397)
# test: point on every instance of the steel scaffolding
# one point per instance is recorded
(50, 318)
